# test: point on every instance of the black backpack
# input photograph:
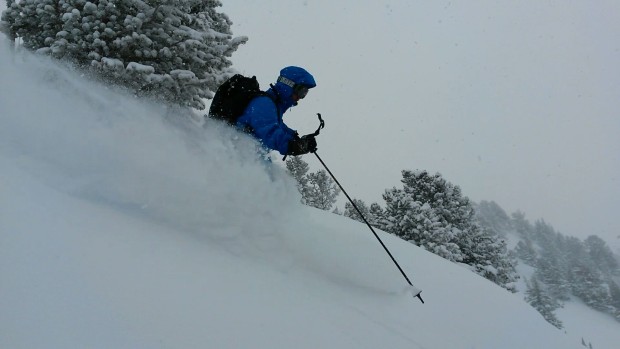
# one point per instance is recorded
(233, 96)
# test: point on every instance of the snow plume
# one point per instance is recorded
(98, 143)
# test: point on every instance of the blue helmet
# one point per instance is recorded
(298, 76)
(290, 79)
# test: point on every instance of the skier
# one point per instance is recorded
(263, 116)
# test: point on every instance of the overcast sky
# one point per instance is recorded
(515, 102)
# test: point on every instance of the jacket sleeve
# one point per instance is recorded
(261, 116)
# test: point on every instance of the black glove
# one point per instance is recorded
(303, 145)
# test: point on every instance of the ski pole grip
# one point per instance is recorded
(321, 126)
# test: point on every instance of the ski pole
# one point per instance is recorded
(369, 226)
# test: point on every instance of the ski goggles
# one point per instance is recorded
(301, 91)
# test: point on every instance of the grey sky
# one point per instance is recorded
(515, 102)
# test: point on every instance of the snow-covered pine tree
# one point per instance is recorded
(173, 50)
(493, 217)
(552, 264)
(525, 250)
(419, 224)
(552, 270)
(602, 256)
(317, 188)
(351, 212)
(566, 266)
(376, 213)
(395, 213)
(436, 211)
(487, 254)
(32, 21)
(322, 190)
(606, 263)
(521, 225)
(585, 279)
(589, 285)
(546, 305)
(299, 170)
(373, 215)
(614, 295)
(444, 198)
(432, 213)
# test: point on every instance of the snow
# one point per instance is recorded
(122, 226)
(137, 67)
(113, 63)
(89, 8)
(183, 74)
(598, 328)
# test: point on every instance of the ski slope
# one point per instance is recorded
(124, 226)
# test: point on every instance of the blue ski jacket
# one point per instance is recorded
(263, 116)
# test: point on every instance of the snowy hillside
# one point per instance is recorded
(123, 227)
